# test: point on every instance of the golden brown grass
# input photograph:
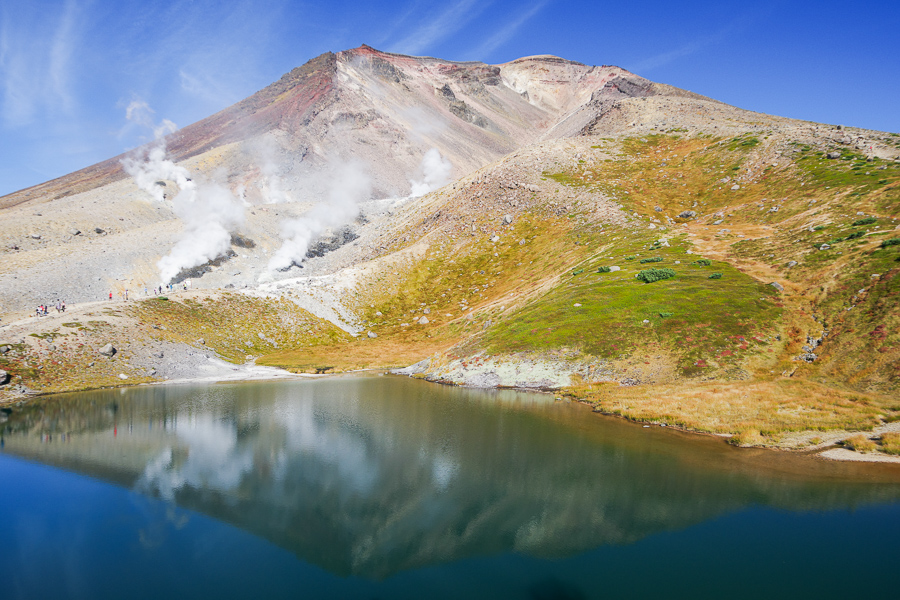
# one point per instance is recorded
(766, 407)
(748, 437)
(890, 443)
(364, 353)
(860, 443)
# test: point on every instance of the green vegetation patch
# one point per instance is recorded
(235, 325)
(655, 259)
(737, 318)
(653, 275)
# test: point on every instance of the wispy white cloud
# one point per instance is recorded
(440, 27)
(35, 76)
(506, 33)
(61, 50)
(697, 45)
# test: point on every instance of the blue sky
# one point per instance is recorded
(69, 68)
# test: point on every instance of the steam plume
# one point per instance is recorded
(348, 185)
(209, 211)
(435, 171)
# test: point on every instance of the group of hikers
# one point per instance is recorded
(43, 309)
(156, 291)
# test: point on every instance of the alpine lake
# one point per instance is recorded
(390, 487)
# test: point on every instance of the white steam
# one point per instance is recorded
(147, 169)
(149, 165)
(264, 151)
(208, 211)
(435, 171)
(348, 185)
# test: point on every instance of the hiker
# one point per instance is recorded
(110, 295)
(58, 306)
(64, 306)
(126, 294)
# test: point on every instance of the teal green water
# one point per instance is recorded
(391, 487)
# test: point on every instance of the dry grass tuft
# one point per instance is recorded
(860, 443)
(748, 437)
(890, 443)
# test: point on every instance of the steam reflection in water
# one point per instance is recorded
(374, 476)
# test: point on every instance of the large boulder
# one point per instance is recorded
(687, 214)
(107, 350)
(4, 377)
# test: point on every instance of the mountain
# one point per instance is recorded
(539, 223)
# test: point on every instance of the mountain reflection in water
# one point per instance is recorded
(374, 475)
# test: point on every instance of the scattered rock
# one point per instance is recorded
(657, 209)
(201, 341)
(687, 214)
(123, 376)
(507, 219)
(158, 354)
(378, 313)
(777, 286)
(792, 263)
(372, 334)
(74, 231)
(833, 155)
(615, 269)
(35, 236)
(4, 349)
(427, 311)
(735, 187)
(4, 377)
(577, 305)
(495, 238)
(423, 321)
(717, 222)
(824, 247)
(107, 350)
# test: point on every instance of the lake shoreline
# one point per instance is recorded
(207, 368)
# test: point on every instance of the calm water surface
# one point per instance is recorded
(384, 487)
